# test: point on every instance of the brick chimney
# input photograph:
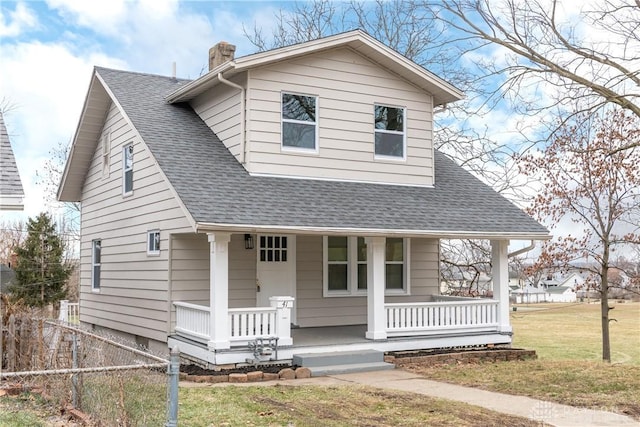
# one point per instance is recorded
(220, 53)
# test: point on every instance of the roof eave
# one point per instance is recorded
(11, 202)
(65, 191)
(196, 87)
(204, 227)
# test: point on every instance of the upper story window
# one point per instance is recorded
(153, 242)
(299, 122)
(106, 152)
(127, 169)
(389, 132)
(96, 249)
(345, 266)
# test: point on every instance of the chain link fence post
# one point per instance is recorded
(173, 374)
(74, 365)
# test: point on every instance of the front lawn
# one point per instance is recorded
(287, 405)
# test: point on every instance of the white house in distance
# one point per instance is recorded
(11, 192)
(293, 193)
(553, 288)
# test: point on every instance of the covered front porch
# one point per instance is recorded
(311, 319)
(412, 326)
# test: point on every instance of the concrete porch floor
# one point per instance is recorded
(329, 335)
(331, 339)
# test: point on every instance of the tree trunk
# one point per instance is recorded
(604, 310)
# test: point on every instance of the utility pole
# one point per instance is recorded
(42, 238)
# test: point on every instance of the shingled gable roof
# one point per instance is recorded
(11, 192)
(356, 40)
(220, 194)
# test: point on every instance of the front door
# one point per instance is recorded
(276, 269)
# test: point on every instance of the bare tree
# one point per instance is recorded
(412, 28)
(546, 57)
(12, 235)
(463, 264)
(584, 184)
(49, 178)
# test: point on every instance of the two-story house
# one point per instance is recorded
(293, 193)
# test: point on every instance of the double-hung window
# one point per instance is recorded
(345, 266)
(299, 122)
(96, 249)
(389, 129)
(153, 242)
(127, 169)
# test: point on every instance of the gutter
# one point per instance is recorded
(523, 250)
(177, 96)
(206, 227)
(242, 115)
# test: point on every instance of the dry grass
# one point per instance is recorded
(569, 369)
(572, 332)
(328, 406)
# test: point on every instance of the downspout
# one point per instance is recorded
(242, 115)
(523, 250)
(442, 108)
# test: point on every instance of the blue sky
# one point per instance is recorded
(48, 49)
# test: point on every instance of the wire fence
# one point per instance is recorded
(111, 382)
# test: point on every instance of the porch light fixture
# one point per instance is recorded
(248, 241)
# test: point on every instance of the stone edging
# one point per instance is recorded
(249, 377)
(464, 357)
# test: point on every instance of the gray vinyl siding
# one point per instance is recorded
(347, 86)
(190, 271)
(220, 109)
(315, 310)
(134, 286)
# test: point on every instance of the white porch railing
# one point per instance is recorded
(438, 317)
(69, 312)
(245, 324)
(192, 321)
(250, 323)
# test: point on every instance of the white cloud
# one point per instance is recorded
(101, 16)
(18, 20)
(47, 79)
(47, 83)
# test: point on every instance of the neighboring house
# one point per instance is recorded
(528, 294)
(561, 294)
(11, 192)
(467, 283)
(298, 186)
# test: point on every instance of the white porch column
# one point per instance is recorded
(376, 316)
(219, 290)
(500, 276)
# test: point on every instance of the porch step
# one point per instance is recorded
(342, 362)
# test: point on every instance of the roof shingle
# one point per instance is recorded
(10, 184)
(216, 189)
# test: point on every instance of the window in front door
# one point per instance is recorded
(273, 248)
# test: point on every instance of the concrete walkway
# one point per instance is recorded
(547, 413)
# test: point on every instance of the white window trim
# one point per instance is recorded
(352, 271)
(150, 235)
(392, 132)
(106, 154)
(94, 264)
(283, 147)
(406, 242)
(125, 170)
